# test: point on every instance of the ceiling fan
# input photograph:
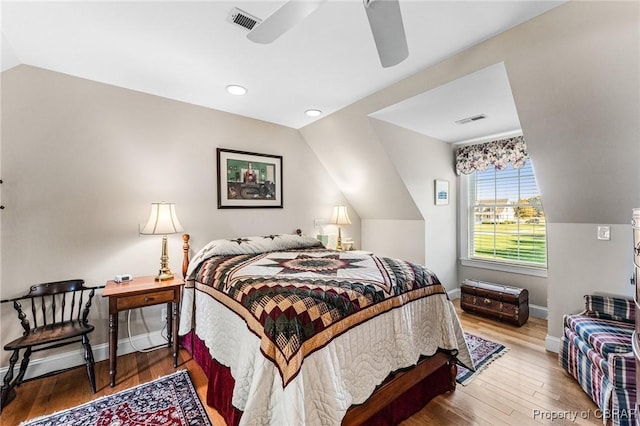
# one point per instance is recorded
(384, 17)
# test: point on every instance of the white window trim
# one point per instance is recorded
(504, 267)
(463, 232)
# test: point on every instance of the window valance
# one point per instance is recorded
(500, 153)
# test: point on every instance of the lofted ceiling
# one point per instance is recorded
(465, 110)
(190, 51)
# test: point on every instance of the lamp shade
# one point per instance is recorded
(162, 220)
(340, 216)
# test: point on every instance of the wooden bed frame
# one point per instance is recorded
(403, 393)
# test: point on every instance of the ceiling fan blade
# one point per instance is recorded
(386, 25)
(282, 20)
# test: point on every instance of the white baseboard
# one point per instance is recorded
(75, 358)
(538, 311)
(552, 343)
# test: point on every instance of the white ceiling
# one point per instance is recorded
(189, 51)
(435, 112)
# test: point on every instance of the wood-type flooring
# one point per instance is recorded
(526, 386)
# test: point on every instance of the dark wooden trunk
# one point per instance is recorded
(504, 303)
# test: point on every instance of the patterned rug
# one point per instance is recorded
(483, 352)
(169, 400)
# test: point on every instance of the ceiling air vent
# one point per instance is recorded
(471, 119)
(243, 19)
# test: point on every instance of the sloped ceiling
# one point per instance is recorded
(189, 51)
(348, 146)
(437, 112)
(574, 73)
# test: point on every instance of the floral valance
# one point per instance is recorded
(500, 153)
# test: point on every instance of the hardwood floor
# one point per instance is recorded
(525, 386)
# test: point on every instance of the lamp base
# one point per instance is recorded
(339, 245)
(164, 275)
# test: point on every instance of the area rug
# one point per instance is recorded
(483, 352)
(169, 400)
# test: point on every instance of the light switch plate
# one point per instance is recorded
(604, 232)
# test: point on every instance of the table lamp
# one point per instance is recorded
(340, 217)
(163, 221)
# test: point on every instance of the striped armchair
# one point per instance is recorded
(596, 350)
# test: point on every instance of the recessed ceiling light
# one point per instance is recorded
(234, 89)
(313, 112)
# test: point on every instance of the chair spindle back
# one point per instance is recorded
(53, 303)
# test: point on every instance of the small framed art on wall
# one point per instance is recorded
(441, 192)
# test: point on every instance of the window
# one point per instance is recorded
(506, 219)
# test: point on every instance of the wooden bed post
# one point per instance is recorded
(185, 266)
(185, 254)
(453, 373)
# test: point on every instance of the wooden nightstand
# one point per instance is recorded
(138, 293)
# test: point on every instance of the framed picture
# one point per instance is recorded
(441, 192)
(248, 180)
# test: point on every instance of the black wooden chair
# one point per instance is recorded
(59, 312)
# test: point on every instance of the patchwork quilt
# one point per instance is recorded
(299, 299)
(296, 301)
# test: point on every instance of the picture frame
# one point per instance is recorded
(441, 192)
(248, 179)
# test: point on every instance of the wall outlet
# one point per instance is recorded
(604, 232)
(163, 315)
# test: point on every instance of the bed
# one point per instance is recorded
(290, 333)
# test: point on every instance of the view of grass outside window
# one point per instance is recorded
(507, 222)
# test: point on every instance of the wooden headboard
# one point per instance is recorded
(185, 254)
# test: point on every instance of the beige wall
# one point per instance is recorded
(420, 160)
(583, 265)
(398, 239)
(82, 161)
(579, 112)
(577, 89)
(574, 75)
